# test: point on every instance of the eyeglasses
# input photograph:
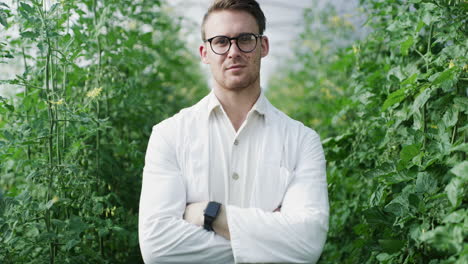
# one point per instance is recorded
(246, 42)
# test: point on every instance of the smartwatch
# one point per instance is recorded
(210, 214)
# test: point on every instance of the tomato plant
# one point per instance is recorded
(98, 74)
(392, 111)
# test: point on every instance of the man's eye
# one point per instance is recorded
(246, 38)
(220, 41)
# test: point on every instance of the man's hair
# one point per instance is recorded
(249, 6)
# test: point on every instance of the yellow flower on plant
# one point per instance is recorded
(335, 20)
(465, 68)
(94, 93)
(327, 93)
(451, 64)
(348, 24)
(356, 49)
(315, 122)
(59, 102)
(132, 25)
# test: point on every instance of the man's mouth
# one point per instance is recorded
(235, 67)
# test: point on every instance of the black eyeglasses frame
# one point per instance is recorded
(257, 36)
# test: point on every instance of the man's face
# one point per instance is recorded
(235, 70)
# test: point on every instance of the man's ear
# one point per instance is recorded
(265, 46)
(203, 53)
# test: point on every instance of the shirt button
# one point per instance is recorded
(236, 142)
(235, 176)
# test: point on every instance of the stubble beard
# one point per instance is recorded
(249, 80)
(239, 85)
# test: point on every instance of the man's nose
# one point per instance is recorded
(234, 51)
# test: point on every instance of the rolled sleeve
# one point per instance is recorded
(297, 234)
(164, 236)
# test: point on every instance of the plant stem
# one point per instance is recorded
(98, 133)
(428, 53)
(47, 75)
(26, 91)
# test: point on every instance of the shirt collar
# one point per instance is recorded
(213, 103)
(261, 106)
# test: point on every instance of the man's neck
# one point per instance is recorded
(237, 103)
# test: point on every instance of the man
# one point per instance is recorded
(233, 179)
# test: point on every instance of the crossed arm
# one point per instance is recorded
(171, 232)
(194, 214)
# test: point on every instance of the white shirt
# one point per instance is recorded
(272, 160)
(233, 155)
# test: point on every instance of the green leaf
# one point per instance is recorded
(117, 229)
(375, 215)
(461, 170)
(32, 231)
(47, 236)
(446, 75)
(445, 238)
(399, 95)
(383, 257)
(29, 34)
(462, 147)
(3, 19)
(420, 100)
(103, 231)
(425, 183)
(394, 98)
(414, 201)
(405, 45)
(3, 102)
(391, 245)
(76, 225)
(461, 103)
(456, 217)
(410, 80)
(450, 117)
(428, 16)
(398, 177)
(53, 8)
(420, 26)
(454, 191)
(398, 206)
(409, 152)
(27, 8)
(377, 196)
(71, 243)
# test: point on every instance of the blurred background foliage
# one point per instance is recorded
(390, 108)
(98, 75)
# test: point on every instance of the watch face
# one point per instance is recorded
(212, 209)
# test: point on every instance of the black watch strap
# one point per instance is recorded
(210, 214)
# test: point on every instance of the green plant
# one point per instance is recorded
(98, 75)
(393, 114)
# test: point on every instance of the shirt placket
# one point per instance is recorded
(238, 164)
(234, 175)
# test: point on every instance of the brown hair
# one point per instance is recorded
(249, 6)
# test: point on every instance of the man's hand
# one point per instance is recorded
(194, 214)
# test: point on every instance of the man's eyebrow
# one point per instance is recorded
(242, 33)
